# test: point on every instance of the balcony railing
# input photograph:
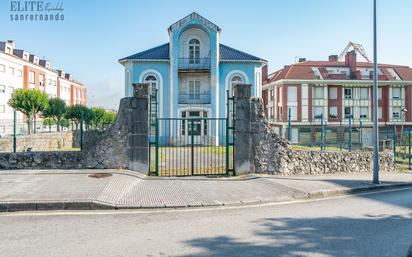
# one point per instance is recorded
(203, 98)
(194, 64)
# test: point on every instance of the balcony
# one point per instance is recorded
(194, 64)
(203, 98)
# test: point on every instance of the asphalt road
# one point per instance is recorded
(378, 224)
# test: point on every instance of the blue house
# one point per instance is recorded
(192, 73)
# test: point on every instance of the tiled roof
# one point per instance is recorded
(162, 53)
(156, 53)
(303, 70)
(230, 54)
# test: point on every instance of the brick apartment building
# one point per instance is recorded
(20, 69)
(338, 91)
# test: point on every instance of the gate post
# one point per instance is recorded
(138, 138)
(243, 141)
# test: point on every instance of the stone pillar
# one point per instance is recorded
(137, 148)
(243, 142)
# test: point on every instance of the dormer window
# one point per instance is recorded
(194, 51)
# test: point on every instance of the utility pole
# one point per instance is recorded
(375, 136)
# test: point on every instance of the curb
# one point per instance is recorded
(98, 205)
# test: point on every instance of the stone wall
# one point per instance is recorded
(316, 162)
(266, 152)
(53, 141)
(124, 145)
(41, 160)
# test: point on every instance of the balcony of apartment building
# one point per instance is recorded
(194, 92)
(194, 98)
(194, 64)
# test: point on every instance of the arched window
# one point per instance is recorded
(194, 51)
(152, 80)
(236, 79)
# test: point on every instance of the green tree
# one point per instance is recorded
(30, 102)
(64, 123)
(55, 110)
(49, 122)
(75, 113)
(109, 118)
(88, 117)
(98, 116)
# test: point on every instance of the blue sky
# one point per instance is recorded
(95, 34)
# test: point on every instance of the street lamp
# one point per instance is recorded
(375, 135)
(404, 111)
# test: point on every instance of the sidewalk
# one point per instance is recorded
(80, 189)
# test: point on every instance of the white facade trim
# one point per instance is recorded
(337, 82)
(160, 85)
(231, 74)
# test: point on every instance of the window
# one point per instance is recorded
(364, 93)
(396, 93)
(41, 80)
(49, 81)
(280, 113)
(54, 83)
(2, 108)
(194, 89)
(11, 89)
(348, 93)
(2, 88)
(271, 92)
(19, 73)
(333, 93)
(363, 112)
(379, 93)
(292, 94)
(333, 112)
(317, 112)
(396, 112)
(152, 80)
(11, 71)
(194, 51)
(2, 68)
(293, 113)
(318, 92)
(31, 77)
(380, 112)
(236, 79)
(348, 112)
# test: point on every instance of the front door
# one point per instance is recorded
(194, 124)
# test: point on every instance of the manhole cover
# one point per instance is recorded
(100, 175)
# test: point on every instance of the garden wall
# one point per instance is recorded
(53, 141)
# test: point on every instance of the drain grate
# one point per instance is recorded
(100, 175)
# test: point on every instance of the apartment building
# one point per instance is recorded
(337, 91)
(21, 69)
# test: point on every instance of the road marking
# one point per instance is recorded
(195, 209)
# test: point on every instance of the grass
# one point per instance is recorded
(316, 148)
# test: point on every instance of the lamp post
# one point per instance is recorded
(375, 135)
(404, 111)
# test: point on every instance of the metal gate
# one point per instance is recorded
(191, 145)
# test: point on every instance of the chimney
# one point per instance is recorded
(302, 59)
(350, 61)
(333, 58)
(286, 66)
(264, 73)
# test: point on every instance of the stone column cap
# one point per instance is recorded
(141, 90)
(242, 90)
